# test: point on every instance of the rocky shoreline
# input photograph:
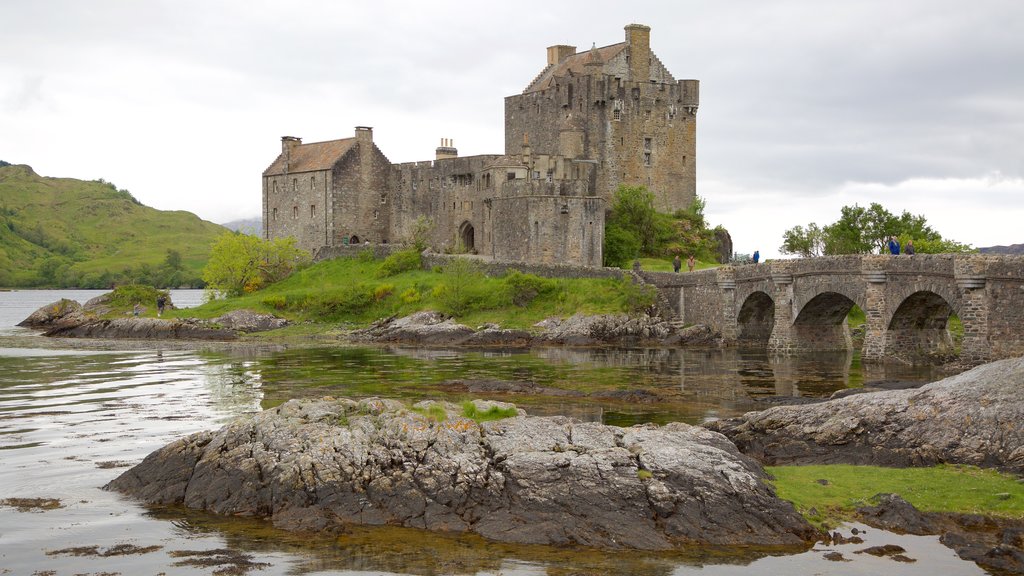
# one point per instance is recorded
(69, 319)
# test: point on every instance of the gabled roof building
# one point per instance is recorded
(587, 123)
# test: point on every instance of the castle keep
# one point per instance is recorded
(587, 123)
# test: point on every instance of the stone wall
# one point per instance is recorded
(497, 269)
(296, 205)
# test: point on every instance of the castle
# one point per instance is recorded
(587, 123)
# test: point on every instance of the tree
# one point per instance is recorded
(862, 230)
(808, 243)
(241, 263)
(633, 211)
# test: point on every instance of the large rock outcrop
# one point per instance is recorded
(323, 464)
(63, 312)
(135, 328)
(249, 321)
(971, 418)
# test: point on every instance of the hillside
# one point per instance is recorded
(252, 225)
(63, 232)
(1011, 249)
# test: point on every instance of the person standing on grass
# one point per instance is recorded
(690, 262)
(161, 301)
(676, 264)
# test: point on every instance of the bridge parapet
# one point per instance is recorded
(795, 305)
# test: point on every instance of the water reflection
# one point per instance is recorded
(617, 386)
(70, 422)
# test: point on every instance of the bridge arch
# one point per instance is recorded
(919, 327)
(756, 318)
(821, 323)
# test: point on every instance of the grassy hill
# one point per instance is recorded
(62, 232)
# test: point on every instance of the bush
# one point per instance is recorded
(523, 288)
(410, 296)
(132, 294)
(399, 262)
(382, 291)
(469, 410)
(620, 246)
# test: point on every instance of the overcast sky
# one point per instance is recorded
(806, 105)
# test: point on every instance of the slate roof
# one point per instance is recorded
(577, 64)
(311, 157)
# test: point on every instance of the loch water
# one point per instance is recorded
(72, 419)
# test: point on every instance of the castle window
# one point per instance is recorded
(312, 182)
(295, 184)
(616, 114)
(376, 214)
(647, 158)
(312, 210)
(510, 175)
(536, 175)
(383, 198)
(551, 173)
(635, 93)
(295, 212)
(275, 214)
(647, 144)
(275, 186)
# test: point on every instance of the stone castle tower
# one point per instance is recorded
(619, 108)
(587, 123)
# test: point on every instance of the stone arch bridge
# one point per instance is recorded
(801, 305)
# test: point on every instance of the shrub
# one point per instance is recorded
(132, 294)
(410, 296)
(620, 246)
(382, 291)
(399, 262)
(275, 302)
(523, 288)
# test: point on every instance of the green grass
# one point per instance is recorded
(663, 265)
(433, 412)
(469, 410)
(354, 292)
(945, 488)
(63, 232)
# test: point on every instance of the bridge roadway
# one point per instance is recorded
(801, 305)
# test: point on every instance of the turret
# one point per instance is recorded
(689, 91)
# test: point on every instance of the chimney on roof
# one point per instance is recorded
(287, 143)
(364, 133)
(558, 53)
(638, 39)
(446, 150)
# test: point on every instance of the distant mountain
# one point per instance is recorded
(252, 225)
(63, 232)
(1013, 249)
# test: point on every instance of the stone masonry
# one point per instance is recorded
(587, 123)
(801, 305)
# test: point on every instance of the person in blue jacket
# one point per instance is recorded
(894, 246)
(757, 256)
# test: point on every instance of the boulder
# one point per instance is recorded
(583, 330)
(60, 313)
(427, 327)
(971, 418)
(250, 321)
(329, 463)
(136, 328)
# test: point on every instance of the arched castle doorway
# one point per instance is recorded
(466, 236)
